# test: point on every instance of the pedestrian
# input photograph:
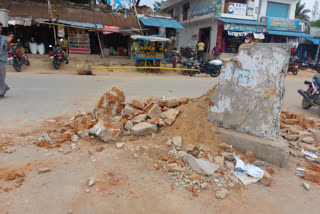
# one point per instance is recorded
(200, 50)
(175, 56)
(5, 44)
(216, 51)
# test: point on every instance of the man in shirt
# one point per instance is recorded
(200, 50)
(216, 51)
(5, 44)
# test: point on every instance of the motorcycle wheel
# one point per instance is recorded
(295, 72)
(215, 73)
(303, 67)
(67, 61)
(16, 66)
(192, 73)
(56, 66)
(183, 72)
(306, 104)
(27, 62)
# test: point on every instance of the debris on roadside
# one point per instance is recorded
(303, 136)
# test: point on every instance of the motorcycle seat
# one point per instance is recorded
(317, 79)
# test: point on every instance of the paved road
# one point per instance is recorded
(35, 97)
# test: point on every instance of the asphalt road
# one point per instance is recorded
(36, 97)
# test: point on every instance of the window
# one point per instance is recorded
(277, 10)
(186, 8)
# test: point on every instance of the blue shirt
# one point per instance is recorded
(3, 49)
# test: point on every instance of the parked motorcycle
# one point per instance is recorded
(17, 59)
(313, 65)
(302, 65)
(311, 97)
(57, 56)
(212, 67)
(293, 67)
(187, 52)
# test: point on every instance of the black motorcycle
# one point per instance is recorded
(57, 56)
(311, 97)
(187, 52)
(313, 65)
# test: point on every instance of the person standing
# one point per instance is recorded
(216, 51)
(200, 50)
(5, 44)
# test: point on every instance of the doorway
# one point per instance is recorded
(204, 36)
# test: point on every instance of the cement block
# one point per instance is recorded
(249, 95)
(274, 152)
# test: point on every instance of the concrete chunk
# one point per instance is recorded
(143, 129)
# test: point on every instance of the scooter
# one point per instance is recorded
(17, 59)
(57, 56)
(311, 97)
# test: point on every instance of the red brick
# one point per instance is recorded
(250, 157)
(195, 177)
(165, 157)
(111, 97)
(270, 170)
(154, 121)
(312, 176)
(11, 176)
(99, 148)
(134, 138)
(172, 160)
(137, 104)
(291, 121)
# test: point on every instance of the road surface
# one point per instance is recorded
(36, 97)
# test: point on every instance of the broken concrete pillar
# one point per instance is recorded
(249, 95)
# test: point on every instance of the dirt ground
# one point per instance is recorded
(123, 183)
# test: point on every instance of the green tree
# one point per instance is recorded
(157, 6)
(315, 23)
(302, 12)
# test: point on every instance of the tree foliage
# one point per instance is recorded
(157, 6)
(315, 23)
(302, 12)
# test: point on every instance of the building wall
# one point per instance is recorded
(190, 35)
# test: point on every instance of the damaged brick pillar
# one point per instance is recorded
(248, 99)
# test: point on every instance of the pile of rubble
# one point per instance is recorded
(194, 160)
(303, 137)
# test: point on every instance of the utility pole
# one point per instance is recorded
(53, 26)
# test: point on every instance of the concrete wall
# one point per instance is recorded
(292, 7)
(249, 95)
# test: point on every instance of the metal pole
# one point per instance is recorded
(54, 28)
(102, 54)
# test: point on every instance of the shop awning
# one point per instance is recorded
(290, 34)
(160, 22)
(241, 21)
(314, 40)
(81, 24)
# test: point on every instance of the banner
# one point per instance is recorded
(108, 28)
(115, 4)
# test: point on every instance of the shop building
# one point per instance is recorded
(83, 29)
(228, 22)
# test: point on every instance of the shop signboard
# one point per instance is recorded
(203, 10)
(282, 24)
(237, 9)
(107, 29)
(244, 28)
(315, 31)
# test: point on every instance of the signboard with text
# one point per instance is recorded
(237, 9)
(282, 24)
(202, 10)
(107, 29)
(244, 27)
